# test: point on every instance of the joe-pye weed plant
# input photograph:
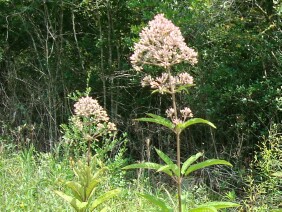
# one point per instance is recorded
(89, 123)
(162, 44)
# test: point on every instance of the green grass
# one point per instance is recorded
(28, 180)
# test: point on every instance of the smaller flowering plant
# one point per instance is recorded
(89, 123)
(90, 115)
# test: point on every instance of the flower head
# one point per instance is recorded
(89, 107)
(170, 112)
(162, 44)
(164, 83)
(186, 113)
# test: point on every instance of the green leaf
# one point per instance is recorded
(203, 209)
(106, 196)
(147, 165)
(158, 202)
(205, 164)
(91, 188)
(172, 167)
(76, 189)
(105, 209)
(158, 120)
(190, 122)
(189, 161)
(220, 205)
(158, 91)
(183, 88)
(164, 157)
(75, 203)
(277, 174)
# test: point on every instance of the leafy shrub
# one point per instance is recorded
(264, 190)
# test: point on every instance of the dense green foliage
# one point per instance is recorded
(48, 48)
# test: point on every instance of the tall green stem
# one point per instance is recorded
(177, 141)
(179, 166)
(89, 153)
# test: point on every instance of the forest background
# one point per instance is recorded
(50, 49)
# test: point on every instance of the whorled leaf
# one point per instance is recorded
(91, 187)
(172, 167)
(189, 161)
(180, 127)
(205, 164)
(75, 203)
(158, 120)
(164, 157)
(220, 205)
(183, 88)
(103, 198)
(148, 165)
(158, 202)
(203, 209)
(77, 190)
(277, 174)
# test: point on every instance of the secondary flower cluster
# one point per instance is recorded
(165, 83)
(185, 113)
(161, 44)
(88, 113)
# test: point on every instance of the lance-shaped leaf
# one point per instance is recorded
(158, 120)
(277, 174)
(184, 88)
(168, 168)
(91, 188)
(170, 165)
(76, 189)
(203, 209)
(163, 91)
(148, 165)
(182, 126)
(103, 198)
(158, 202)
(189, 161)
(75, 203)
(205, 164)
(220, 205)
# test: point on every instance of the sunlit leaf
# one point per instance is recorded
(158, 120)
(91, 187)
(147, 165)
(164, 157)
(193, 121)
(220, 205)
(203, 209)
(76, 189)
(184, 88)
(75, 203)
(106, 196)
(277, 174)
(158, 202)
(189, 161)
(205, 164)
(172, 167)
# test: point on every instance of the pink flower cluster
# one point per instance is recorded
(185, 114)
(90, 108)
(161, 44)
(165, 83)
